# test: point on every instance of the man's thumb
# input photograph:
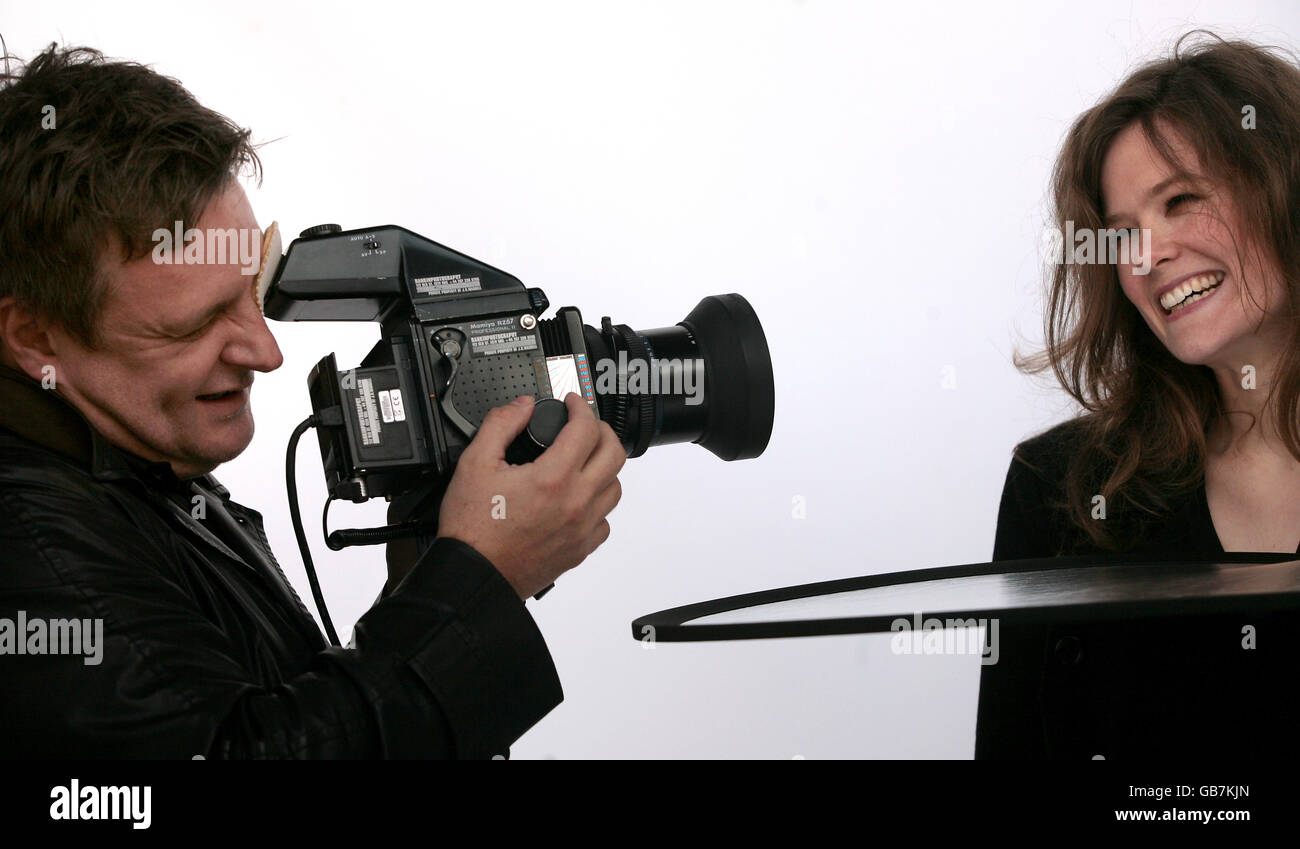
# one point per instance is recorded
(501, 425)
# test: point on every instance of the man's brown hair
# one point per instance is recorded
(95, 155)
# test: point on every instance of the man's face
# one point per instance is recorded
(174, 337)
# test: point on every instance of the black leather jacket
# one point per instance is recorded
(206, 649)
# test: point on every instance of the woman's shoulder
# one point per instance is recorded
(1032, 519)
(1048, 453)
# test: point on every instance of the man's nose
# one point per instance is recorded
(255, 346)
(270, 349)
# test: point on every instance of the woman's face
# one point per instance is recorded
(1195, 239)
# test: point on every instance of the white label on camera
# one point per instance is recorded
(367, 415)
(386, 406)
(564, 376)
(399, 412)
(447, 284)
(499, 336)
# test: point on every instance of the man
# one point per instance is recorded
(142, 613)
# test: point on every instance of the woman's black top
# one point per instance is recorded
(1183, 686)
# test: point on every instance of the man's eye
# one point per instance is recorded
(194, 334)
(1178, 199)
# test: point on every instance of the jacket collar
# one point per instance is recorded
(43, 416)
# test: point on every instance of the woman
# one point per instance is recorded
(1189, 376)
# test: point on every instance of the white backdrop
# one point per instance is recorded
(872, 178)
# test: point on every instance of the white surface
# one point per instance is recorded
(869, 176)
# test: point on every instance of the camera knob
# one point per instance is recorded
(549, 417)
(320, 230)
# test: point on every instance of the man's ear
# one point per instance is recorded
(25, 342)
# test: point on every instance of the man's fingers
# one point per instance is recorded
(608, 458)
(500, 427)
(578, 438)
(608, 498)
(597, 538)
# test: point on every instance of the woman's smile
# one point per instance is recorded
(1179, 300)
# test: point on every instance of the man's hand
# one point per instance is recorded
(538, 520)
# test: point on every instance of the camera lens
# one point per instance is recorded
(706, 379)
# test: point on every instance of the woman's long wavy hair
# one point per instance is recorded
(1143, 437)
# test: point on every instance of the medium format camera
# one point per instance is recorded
(459, 337)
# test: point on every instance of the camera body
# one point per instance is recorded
(459, 337)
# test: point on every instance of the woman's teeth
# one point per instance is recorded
(1190, 291)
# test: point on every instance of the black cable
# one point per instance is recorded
(291, 484)
(325, 525)
(344, 537)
